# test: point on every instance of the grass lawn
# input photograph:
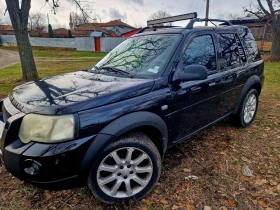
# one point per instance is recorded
(50, 62)
(216, 156)
(60, 53)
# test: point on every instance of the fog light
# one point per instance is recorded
(31, 167)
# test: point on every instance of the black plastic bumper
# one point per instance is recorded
(58, 164)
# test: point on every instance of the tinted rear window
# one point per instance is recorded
(250, 45)
(228, 51)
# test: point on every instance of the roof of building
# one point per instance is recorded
(96, 34)
(6, 28)
(133, 30)
(60, 30)
(114, 23)
(91, 27)
(79, 33)
(247, 21)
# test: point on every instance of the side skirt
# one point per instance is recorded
(206, 126)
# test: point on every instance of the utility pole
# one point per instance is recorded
(207, 11)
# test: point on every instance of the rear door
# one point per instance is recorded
(232, 61)
(238, 58)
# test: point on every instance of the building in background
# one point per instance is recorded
(6, 30)
(131, 33)
(259, 27)
(89, 28)
(117, 26)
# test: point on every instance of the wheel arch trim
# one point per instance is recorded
(119, 127)
(253, 80)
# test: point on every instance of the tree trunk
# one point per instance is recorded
(19, 18)
(275, 49)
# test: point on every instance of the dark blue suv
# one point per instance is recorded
(110, 126)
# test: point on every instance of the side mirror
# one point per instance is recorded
(190, 73)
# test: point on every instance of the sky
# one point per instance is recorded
(134, 12)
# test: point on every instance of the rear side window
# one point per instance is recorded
(201, 51)
(250, 45)
(228, 51)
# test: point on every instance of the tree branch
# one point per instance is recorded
(82, 10)
(25, 7)
(254, 13)
(270, 6)
(263, 9)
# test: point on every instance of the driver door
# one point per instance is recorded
(197, 103)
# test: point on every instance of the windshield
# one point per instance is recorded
(144, 55)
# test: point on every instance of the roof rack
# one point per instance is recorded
(172, 19)
(190, 16)
(193, 21)
(151, 23)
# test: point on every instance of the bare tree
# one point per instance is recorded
(233, 16)
(78, 20)
(19, 15)
(271, 12)
(38, 22)
(160, 14)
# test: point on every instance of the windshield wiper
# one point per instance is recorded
(112, 69)
(94, 66)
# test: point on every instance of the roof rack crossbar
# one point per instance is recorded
(155, 28)
(172, 19)
(193, 21)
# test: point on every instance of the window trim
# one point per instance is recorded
(243, 49)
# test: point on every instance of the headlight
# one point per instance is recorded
(47, 129)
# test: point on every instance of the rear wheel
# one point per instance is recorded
(248, 110)
(127, 169)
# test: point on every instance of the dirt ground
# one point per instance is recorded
(216, 156)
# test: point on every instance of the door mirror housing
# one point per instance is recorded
(190, 73)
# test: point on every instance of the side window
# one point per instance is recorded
(201, 51)
(228, 51)
(250, 45)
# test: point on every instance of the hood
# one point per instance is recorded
(76, 91)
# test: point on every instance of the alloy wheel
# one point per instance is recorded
(124, 172)
(250, 108)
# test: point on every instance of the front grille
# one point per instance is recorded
(6, 114)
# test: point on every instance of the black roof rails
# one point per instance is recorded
(155, 28)
(193, 21)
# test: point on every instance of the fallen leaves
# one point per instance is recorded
(262, 204)
(273, 183)
(231, 203)
(261, 181)
(164, 201)
(187, 170)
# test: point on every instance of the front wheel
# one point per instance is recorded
(248, 110)
(127, 169)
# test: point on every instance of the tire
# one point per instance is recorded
(247, 111)
(124, 173)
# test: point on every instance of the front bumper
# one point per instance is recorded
(59, 165)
